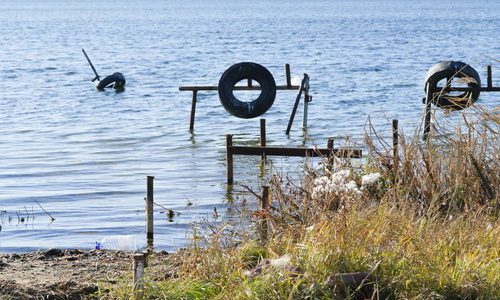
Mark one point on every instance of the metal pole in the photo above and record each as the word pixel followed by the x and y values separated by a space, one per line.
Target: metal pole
pixel 149 211
pixel 229 159
pixel 92 66
pixel 302 87
pixel 306 103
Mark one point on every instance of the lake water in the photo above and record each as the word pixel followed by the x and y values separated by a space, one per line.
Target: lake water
pixel 84 155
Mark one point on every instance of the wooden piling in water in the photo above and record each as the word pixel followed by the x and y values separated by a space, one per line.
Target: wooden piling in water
pixel 490 79
pixel 288 77
pixel 193 110
pixel 229 158
pixel 149 211
pixel 263 137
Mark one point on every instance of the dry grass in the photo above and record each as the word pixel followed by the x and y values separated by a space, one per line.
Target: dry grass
pixel 426 227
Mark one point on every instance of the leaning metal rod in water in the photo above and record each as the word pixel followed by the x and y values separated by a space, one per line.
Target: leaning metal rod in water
pixel 92 66
pixel 303 87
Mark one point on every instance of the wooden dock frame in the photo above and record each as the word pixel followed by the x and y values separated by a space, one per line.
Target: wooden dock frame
pixel 288 86
pixel 264 151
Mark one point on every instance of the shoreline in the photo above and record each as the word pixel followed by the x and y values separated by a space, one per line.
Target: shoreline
pixel 69 274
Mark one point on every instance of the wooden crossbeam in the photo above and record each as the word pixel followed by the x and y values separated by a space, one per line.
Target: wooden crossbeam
pixel 237 88
pixel 300 152
pixel 282 151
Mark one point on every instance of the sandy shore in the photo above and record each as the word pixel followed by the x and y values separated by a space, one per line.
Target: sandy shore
pixel 67 274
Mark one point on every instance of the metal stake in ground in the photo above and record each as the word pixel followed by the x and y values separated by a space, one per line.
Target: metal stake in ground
pixel 92 66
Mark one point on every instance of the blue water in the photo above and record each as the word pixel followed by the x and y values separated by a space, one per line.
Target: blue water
pixel 84 155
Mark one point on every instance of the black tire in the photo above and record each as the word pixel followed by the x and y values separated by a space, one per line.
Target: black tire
pixel 242 71
pixel 453 69
pixel 117 79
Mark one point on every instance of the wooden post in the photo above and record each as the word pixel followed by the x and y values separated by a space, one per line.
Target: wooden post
pixel 138 276
pixel 427 122
pixel 229 159
pixel 395 138
pixel 490 80
pixel 193 109
pixel 149 211
pixel 288 77
pixel 329 145
pixel 395 148
pixel 263 137
pixel 264 205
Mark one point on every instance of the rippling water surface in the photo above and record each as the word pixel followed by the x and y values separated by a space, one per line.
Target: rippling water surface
pixel 84 155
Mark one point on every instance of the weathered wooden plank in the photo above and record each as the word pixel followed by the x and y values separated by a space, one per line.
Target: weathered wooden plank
pixel 301 152
pixel 214 88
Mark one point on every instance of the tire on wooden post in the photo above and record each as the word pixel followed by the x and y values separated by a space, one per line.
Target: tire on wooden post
pixel 449 70
pixel 238 72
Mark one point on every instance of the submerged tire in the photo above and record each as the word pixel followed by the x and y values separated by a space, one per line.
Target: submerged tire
pixel 448 70
pixel 237 73
pixel 117 79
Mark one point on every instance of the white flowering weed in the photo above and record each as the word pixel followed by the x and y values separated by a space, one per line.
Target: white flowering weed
pixel 370 179
pixel 339 183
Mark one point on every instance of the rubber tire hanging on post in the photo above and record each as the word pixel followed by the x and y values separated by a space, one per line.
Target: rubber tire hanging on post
pixel 117 79
pixel 237 73
pixel 449 70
